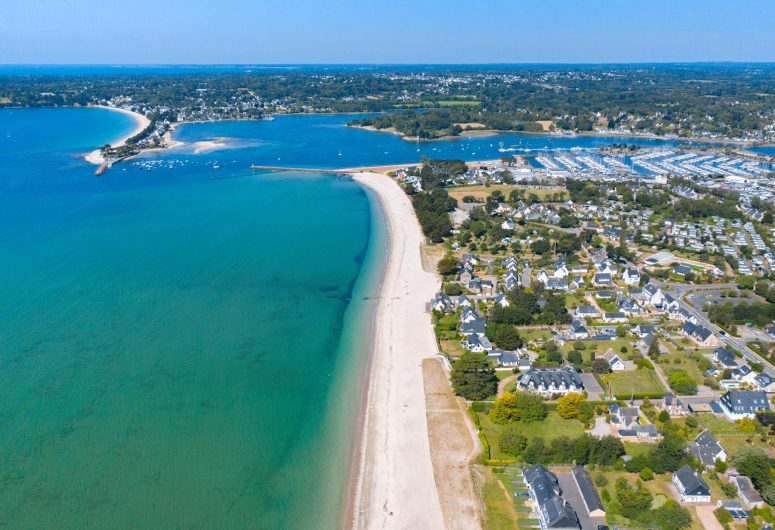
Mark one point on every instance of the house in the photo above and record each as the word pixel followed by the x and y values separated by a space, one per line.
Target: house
pixel 508 224
pixel 474 327
pixel 504 358
pixel 551 381
pixel 587 311
pixel 614 362
pixel 588 491
pixel 691 486
pixel 701 335
pixel 477 343
pixel 641 330
pixel 624 417
pixel 706 449
pixel 682 270
pixel 443 303
pixel 750 497
pixel 672 405
pixel 614 317
pixel 501 300
pixel 462 301
pixel 607 267
pixel 578 331
pixel 603 279
pixel 552 510
pixel 653 295
pixel 739 404
pixel 466 274
pixel 631 276
pixel 604 295
pixel 557 284
pixel 763 382
pixel 724 358
pixel 640 433
pixel 468 314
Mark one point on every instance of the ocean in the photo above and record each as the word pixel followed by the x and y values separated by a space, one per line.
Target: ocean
pixel 183 340
pixel 180 347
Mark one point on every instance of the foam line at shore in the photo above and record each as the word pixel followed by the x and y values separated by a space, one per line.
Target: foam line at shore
pixel 141 123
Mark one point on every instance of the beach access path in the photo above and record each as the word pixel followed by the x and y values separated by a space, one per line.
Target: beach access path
pixel 394 485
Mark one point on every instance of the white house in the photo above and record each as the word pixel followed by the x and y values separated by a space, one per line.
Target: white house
pixel 614 362
pixel 631 276
pixel 691 486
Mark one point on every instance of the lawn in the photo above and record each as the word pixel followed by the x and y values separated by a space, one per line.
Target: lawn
pixel 637 382
pixel 681 361
pixel 732 442
pixel 499 508
pixel 717 424
pixel 600 347
pixel 552 427
pixel 453 348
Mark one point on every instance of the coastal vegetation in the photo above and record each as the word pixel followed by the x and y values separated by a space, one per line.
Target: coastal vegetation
pixel 731 100
pixel 473 377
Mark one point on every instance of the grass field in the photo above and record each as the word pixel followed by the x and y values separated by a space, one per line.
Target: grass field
pixel 499 508
pixel 549 429
pixel 631 382
pixel 717 424
pixel 459 103
pixel 600 347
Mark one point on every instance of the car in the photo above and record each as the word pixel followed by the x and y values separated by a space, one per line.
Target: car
pixel 602 527
pixel 722 333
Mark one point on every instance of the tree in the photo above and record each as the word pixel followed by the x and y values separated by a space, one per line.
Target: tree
pixel 646 474
pixel 506 337
pixel 511 442
pixel 473 377
pixel 540 247
pixel 600 366
pixel 746 425
pixel 531 407
pixel 447 265
pixel 633 500
pixel 669 454
pixel 682 383
pixel 671 516
pixel 574 357
pixel 723 516
pixel 569 405
pixel 505 409
pixel 653 351
pixel 720 465
pixel 664 416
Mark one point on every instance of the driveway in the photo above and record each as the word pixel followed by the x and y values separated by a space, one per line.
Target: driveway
pixel 571 493
pixel 601 428
pixel 707 519
pixel 593 388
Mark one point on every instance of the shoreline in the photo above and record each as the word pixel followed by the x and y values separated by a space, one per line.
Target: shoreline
pixel 141 123
pixel 472 133
pixel 392 482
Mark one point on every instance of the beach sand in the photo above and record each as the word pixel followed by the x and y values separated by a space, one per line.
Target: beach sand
pixel 393 483
pixel 95 157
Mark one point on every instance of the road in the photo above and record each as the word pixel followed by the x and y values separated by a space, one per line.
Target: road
pixel 732 342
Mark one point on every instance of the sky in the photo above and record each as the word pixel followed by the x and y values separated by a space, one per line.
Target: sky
pixel 384 31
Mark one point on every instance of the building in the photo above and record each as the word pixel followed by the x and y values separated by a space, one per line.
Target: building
pixel 552 511
pixel 588 491
pixel 578 331
pixel 701 335
pixel 614 362
pixel 739 404
pixel 691 486
pixel 748 494
pixel 724 358
pixel 551 381
pixel 631 276
pixel 706 449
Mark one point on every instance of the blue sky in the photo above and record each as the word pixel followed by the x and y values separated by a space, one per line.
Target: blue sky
pixel 384 31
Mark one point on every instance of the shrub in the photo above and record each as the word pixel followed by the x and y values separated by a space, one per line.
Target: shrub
pixel 646 474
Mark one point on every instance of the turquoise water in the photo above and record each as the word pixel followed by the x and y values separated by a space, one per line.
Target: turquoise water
pixel 176 350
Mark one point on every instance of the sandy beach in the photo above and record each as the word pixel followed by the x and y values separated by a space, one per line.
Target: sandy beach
pixel 393 481
pixel 141 122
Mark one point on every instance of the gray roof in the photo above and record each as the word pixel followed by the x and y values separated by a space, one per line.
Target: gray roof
pixel 587 489
pixel 545 378
pixel 692 483
pixel 705 448
pixel 725 356
pixel 745 401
